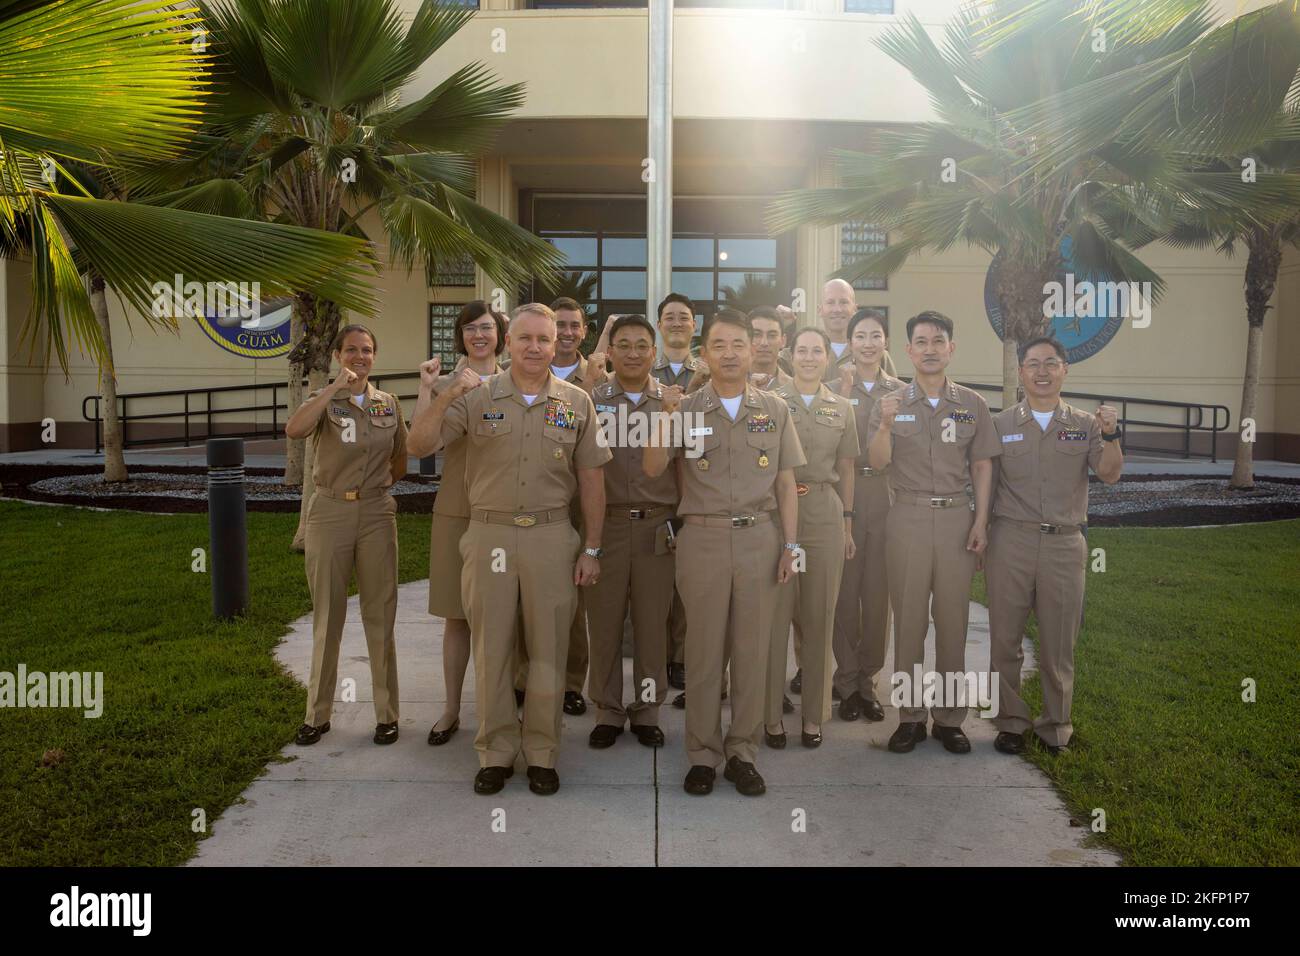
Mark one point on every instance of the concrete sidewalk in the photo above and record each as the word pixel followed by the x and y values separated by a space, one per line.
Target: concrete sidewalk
pixel 346 801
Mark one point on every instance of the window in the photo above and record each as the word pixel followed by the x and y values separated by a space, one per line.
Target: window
pixel 457 271
pixel 860 239
pixel 442 335
pixel 869 6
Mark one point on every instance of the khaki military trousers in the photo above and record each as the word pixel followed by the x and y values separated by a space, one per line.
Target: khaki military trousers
pixel 631 573
pixel 508 568
pixel 727 579
pixel 929 572
pixel 1028 570
pixel 677 630
pixel 343 536
pixel 810 600
pixel 862 612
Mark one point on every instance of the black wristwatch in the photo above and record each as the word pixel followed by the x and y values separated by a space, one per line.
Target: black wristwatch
pixel 1113 436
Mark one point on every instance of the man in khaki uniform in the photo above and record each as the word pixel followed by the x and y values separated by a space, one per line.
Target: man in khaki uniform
pixel 766 343
pixel 1037 551
pixel 533 444
pixel 361 441
pixel 636 569
pixel 730 553
pixel 936 437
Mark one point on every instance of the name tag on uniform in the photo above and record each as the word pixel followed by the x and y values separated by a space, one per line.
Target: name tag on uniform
pixel 904 418
pixel 963 416
pixel 606 408
pixel 761 423
pixel 1009 438
pixel 1072 434
pixel 494 416
pixel 854 401
pixel 827 413
pixel 701 431
pixel 561 414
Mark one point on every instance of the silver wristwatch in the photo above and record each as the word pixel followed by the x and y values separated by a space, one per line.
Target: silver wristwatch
pixel 593 552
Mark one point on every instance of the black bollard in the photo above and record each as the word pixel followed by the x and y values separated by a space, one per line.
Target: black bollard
pixel 227 527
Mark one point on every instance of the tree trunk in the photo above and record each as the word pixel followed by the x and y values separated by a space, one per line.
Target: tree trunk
pixel 321 320
pixel 1261 279
pixel 1010 372
pixel 1018 287
pixel 294 448
pixel 114 461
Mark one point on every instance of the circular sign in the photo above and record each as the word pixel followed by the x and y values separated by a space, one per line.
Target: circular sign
pixel 1082 335
pixel 254 328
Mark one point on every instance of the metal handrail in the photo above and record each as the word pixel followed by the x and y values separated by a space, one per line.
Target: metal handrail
pixel 1194 414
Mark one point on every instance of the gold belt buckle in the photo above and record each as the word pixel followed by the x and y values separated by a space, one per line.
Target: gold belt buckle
pixel 940 502
pixel 636 513
pixel 1049 529
pixel 800 488
pixel 865 471
pixel 351 495
pixel 742 521
pixel 525 521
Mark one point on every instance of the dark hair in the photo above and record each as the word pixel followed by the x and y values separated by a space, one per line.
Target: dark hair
pixel 727 317
pixel 572 305
pixel 869 313
pixel 1040 340
pixel 674 297
pixel 766 312
pixel 826 339
pixel 932 318
pixel 343 333
pixel 472 312
pixel 636 321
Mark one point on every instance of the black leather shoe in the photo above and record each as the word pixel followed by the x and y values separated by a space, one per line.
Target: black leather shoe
pixel 786 706
pixel 308 735
pixel 648 735
pixel 680 701
pixel 907 736
pixel 573 703
pixel 386 733
pixel 954 741
pixel 439 737
pixel 775 741
pixel 747 780
pixel 604 735
pixel 851 707
pixel 871 709
pixel 1053 749
pixel 519 697
pixel 492 779
pixel 676 675
pixel 543 780
pixel 699 781
pixel 796 682
pixel 1009 743
pixel 811 740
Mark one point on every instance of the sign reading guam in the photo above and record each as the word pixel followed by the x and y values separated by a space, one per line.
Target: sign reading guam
pixel 1083 332
pixel 261 331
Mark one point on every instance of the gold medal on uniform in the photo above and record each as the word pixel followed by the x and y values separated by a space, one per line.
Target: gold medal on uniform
pixel 559 454
pixel 703 465
pixel 762 460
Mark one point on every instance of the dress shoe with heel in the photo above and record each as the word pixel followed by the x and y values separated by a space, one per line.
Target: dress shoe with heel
pixel 492 779
pixel 775 741
pixel 907 736
pixel 308 735
pixel 746 777
pixel 811 740
pixel 439 737
pixel 952 738
pixel 386 733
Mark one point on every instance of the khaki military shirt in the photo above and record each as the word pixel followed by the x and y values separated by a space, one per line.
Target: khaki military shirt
pixel 522 457
pixel 737 470
pixel 663 371
pixel 827 431
pixel 923 463
pixel 375 457
pixel 864 400
pixel 1043 475
pixel 833 367
pixel 629 427
pixel 452 498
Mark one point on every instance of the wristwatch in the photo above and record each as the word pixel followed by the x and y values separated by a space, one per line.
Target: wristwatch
pixel 593 552
pixel 1113 436
pixel 791 546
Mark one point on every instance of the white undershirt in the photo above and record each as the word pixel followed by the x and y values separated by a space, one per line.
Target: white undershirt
pixel 566 371
pixel 732 405
pixel 934 402
pixel 635 396
pixel 359 399
pixel 807 399
pixel 676 367
pixel 839 348
pixel 1043 418
pixel 528 398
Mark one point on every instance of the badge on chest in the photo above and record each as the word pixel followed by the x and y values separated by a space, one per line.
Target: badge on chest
pixel 560 414
pixel 1072 434
pixel 963 416
pixel 380 411
pixel 760 423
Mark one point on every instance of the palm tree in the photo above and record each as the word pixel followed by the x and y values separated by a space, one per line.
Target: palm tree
pixel 92 82
pixel 1059 124
pixel 757 289
pixel 308 126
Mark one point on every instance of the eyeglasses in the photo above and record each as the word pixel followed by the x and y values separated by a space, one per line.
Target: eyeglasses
pixel 1052 365
pixel 640 348
pixel 480 328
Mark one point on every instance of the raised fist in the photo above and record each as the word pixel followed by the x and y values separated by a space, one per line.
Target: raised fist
pixel 889 408
pixel 1109 419
pixel 672 399
pixel 429 372
pixel 466 380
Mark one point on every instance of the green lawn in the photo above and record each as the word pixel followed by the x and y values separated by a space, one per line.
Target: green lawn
pixel 1187 772
pixel 193 709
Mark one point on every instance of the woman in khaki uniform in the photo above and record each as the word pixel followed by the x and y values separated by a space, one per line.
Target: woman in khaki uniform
pixel 360 441
pixel 480 337
pixel 828 433
pixel 862 616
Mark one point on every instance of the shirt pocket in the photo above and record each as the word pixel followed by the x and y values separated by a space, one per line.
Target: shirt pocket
pixel 1015 449
pixel 1071 447
pixel 559 444
pixel 764 441
pixel 384 421
pixel 907 429
pixel 491 429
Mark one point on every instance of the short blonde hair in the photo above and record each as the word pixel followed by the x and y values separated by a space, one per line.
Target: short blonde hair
pixel 535 307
